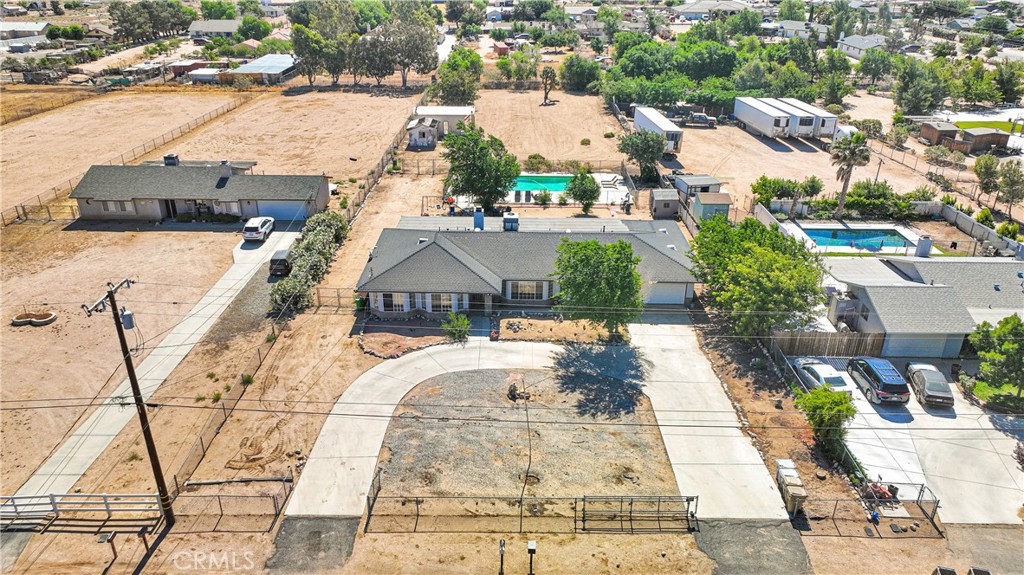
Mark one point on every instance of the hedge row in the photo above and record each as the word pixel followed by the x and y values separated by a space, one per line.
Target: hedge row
pixel 321 236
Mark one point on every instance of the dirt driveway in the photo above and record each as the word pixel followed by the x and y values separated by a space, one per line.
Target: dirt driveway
pixel 47 149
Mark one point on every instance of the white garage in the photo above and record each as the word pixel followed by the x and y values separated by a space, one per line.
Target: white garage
pixel 666 293
pixel 282 209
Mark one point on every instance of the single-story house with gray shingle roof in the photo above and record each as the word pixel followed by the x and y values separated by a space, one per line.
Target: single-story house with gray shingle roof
pixel 12 30
pixel 210 28
pixel 855 46
pixel 158 192
pixel 917 320
pixel 431 272
pixel 805 30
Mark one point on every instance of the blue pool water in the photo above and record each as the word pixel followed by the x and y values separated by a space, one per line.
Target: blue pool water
pixel 864 239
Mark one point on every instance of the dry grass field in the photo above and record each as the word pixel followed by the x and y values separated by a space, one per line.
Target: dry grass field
pixel 47 149
pixel 342 134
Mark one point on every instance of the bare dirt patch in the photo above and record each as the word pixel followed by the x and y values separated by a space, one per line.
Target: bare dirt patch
pixel 48 149
pixel 47 267
pixel 943 234
pixel 546 329
pixel 19 99
pixel 394 338
pixel 342 134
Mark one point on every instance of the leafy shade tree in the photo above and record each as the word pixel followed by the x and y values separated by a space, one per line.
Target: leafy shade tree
pixel 548 81
pixel 644 149
pixel 337 56
pixel 309 51
pixel 148 19
pixel 1011 184
pixel 792 10
pixel 599 283
pixel 828 412
pixel 986 167
pixel 369 14
pixel 610 18
pixel 1007 79
pixel 915 90
pixel 584 189
pixel 875 64
pixel 250 8
pixel 377 54
pixel 577 73
pixel 759 277
pixel 597 45
pixel 481 167
pixel 254 28
pixel 623 41
pixel 708 59
pixel 745 23
pixel 217 10
pixel 458 79
pixel 413 46
pixel 847 154
pixel 1001 349
pixel 751 76
pixel 454 10
pixel 790 82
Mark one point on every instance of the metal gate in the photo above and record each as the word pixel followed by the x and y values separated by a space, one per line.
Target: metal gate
pixel 638 514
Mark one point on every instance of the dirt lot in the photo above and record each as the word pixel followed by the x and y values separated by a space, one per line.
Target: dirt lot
pixel 337 133
pixel 48 149
pixel 943 234
pixel 387 338
pixel 48 267
pixel 534 329
pixel 16 99
pixel 554 131
pixel 442 458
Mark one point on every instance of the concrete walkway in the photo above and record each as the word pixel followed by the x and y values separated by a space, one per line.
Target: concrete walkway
pixel 709 454
pixel 62 470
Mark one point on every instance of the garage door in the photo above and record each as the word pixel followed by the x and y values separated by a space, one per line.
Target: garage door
pixel 280 210
pixel 913 346
pixel 665 293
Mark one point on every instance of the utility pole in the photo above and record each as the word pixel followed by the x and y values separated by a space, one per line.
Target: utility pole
pixel 140 406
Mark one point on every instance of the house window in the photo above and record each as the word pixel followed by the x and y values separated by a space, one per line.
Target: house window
pixel 864 313
pixel 440 302
pixel 665 205
pixel 230 208
pixel 119 207
pixel 527 290
pixel 393 302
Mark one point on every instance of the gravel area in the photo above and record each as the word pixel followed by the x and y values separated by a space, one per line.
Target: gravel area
pixel 249 309
pixel 488 454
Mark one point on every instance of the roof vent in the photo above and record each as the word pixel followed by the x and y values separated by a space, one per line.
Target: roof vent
pixel 663 230
pixel 997 287
pixel 672 247
pixel 421 241
pixel 171 160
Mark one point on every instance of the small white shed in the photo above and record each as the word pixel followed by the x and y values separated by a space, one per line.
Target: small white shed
pixel 430 123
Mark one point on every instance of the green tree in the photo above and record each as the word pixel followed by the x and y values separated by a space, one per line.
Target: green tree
pixel 369 14
pixel 792 10
pixel 413 47
pixel 584 189
pixel 649 59
pixel 708 59
pixel 254 28
pixel 1001 349
pixel 611 18
pixel 789 82
pixel 1007 79
pixel 597 45
pixel 58 10
pixel 915 87
pixel 833 88
pixel 623 41
pixel 454 10
pixel 217 10
pixel 456 327
pixel 993 24
pixel 847 154
pixel 378 55
pixel 250 8
pixel 745 23
pixel 751 76
pixel 1011 184
pixel 972 43
pixel 577 73
pixel 599 283
pixel 897 137
pixel 810 187
pixel 828 412
pixel 644 149
pixel 944 50
pixel 337 55
pixel 309 51
pixel 875 64
pixel 458 79
pixel 548 81
pixel 481 167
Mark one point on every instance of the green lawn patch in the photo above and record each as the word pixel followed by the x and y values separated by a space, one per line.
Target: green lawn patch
pixel 1004 396
pixel 1004 126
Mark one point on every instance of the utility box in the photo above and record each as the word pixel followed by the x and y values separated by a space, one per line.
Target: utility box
pixel 792 487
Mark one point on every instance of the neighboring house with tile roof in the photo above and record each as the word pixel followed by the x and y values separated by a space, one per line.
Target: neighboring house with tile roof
pixel 924 306
pixel 159 192
pixel 430 272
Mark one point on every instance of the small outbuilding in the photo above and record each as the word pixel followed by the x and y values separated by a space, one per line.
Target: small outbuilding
pixel 268 70
pixel 702 184
pixel 985 139
pixel 707 206
pixel 212 28
pixel 430 123
pixel 937 132
pixel 664 203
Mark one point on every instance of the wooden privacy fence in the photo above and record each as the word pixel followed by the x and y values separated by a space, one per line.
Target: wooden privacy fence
pixel 828 344
pixel 13 215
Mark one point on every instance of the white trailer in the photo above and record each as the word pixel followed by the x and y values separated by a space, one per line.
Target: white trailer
pixel 652 120
pixel 825 122
pixel 801 122
pixel 753 114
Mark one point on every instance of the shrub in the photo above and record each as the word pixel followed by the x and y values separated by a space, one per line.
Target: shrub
pixel 967 210
pixel 870 127
pixel 210 375
pixel 184 218
pixel 456 327
pixel 227 387
pixel 948 199
pixel 352 180
pixel 134 456
pixel 920 194
pixel 937 154
pixel 562 200
pixel 215 397
pixel 200 398
pixel 609 134
pixel 898 119
pixel 543 197
pixel 246 379
pixel 985 218
pixel 343 204
pixel 536 163
pixel 968 384
pixel 1008 229
pixel 836 109
pixel 585 142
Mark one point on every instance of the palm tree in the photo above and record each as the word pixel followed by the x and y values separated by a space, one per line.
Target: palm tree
pixel 847 154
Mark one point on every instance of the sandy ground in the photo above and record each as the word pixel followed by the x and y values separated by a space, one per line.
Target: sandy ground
pixel 397 337
pixel 554 131
pixel 470 553
pixel 73 357
pixel 48 149
pixel 539 329
pixel 313 133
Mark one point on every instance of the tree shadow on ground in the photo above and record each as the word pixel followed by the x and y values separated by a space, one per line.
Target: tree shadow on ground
pixel 608 379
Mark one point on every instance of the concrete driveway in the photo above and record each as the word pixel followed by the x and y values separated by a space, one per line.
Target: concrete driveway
pixel 711 456
pixel 963 455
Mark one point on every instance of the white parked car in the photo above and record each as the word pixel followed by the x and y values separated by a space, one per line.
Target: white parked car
pixel 257 229
pixel 814 374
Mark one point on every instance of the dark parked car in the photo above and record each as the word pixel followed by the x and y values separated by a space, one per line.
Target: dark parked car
pixel 281 263
pixel 930 386
pixel 879 379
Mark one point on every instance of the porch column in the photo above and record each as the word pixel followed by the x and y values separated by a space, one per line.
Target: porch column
pixel 487 303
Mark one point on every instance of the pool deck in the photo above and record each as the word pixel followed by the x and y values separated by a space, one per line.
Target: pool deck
pixel 796 230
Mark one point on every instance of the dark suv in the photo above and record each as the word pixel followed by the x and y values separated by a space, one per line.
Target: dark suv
pixel 879 379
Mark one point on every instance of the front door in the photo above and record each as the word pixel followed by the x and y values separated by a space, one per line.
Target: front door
pixel 171 208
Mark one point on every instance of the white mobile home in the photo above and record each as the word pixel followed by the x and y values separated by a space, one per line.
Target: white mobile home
pixel 825 122
pixel 761 118
pixel 653 121
pixel 801 122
